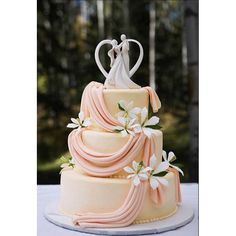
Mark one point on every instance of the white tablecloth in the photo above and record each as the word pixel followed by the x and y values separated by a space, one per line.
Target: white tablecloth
pixel 50 193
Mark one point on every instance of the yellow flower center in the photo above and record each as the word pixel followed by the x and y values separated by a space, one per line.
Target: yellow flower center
pixel 126 114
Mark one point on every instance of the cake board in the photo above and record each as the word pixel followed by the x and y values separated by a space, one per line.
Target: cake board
pixel 183 216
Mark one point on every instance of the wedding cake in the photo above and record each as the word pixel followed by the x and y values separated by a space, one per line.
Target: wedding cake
pixel 118 173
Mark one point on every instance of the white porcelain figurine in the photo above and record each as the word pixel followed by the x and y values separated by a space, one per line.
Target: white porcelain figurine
pixel 120 73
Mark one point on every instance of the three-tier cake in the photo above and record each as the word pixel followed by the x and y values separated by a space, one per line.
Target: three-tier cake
pixel 118 173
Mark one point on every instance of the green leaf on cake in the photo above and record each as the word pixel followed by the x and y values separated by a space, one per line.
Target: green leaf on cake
pixel 71 165
pixel 141 163
pixel 117 130
pixel 157 126
pixel 161 174
pixel 120 107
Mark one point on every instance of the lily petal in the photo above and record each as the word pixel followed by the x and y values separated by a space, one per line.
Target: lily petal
pixel 87 122
pixel 143 176
pixel 135 165
pixel 171 155
pixel 137 128
pixel 153 161
pixel 72 125
pixel 63 165
pixel 164 155
pixel 128 170
pixel 129 105
pixel 120 113
pixel 124 133
pixel 162 167
pixel 135 110
pixel 132 115
pixel 136 180
pixel 178 169
pixel 122 120
pixel 81 116
pixel 122 103
pixel 148 132
pixel 154 183
pixel 131 122
pixel 75 121
pixel 152 121
pixel 131 132
pixel 130 176
pixel 144 113
pixel 145 170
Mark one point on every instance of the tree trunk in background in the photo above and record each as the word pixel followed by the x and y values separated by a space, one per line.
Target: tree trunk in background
pixel 108 15
pixel 100 14
pixel 126 17
pixel 191 26
pixel 152 29
pixel 184 51
pixel 84 18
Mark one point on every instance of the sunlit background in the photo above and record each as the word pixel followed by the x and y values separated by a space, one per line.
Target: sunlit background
pixel 69 31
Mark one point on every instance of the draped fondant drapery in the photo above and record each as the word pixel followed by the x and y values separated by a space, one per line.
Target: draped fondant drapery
pixel 101 164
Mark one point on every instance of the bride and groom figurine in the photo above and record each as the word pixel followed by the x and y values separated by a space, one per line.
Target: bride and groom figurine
pixel 120 73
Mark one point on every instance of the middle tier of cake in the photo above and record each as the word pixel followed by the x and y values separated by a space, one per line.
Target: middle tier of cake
pixel 105 142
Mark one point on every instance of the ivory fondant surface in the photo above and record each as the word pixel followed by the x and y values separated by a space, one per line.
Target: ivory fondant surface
pixel 81 194
pixel 105 142
pixel 140 98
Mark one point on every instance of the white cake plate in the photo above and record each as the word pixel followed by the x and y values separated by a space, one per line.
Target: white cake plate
pixel 182 217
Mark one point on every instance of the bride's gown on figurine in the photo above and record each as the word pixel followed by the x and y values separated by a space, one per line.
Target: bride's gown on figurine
pixel 118 76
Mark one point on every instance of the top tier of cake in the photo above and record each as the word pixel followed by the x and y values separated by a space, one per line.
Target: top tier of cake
pixel 140 98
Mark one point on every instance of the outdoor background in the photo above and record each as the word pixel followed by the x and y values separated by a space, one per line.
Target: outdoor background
pixel 68 33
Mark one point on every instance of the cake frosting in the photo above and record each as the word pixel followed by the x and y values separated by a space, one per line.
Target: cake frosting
pixel 106 142
pixel 82 193
pixel 118 173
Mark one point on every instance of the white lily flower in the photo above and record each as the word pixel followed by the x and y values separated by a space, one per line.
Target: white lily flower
pixel 146 123
pixel 171 157
pixel 138 173
pixel 80 122
pixel 155 169
pixel 127 110
pixel 67 165
pixel 126 126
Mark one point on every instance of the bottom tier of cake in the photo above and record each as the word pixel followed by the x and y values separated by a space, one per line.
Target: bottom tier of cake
pixel 81 193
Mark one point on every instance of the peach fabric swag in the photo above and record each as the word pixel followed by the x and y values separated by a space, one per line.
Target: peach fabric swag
pixel 101 164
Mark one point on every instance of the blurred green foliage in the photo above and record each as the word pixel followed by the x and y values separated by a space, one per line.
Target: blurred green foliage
pixel 68 32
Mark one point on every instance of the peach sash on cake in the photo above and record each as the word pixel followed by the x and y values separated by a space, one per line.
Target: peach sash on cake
pixel 93 105
pixel 157 195
pixel 128 212
pixel 178 196
pixel 100 164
